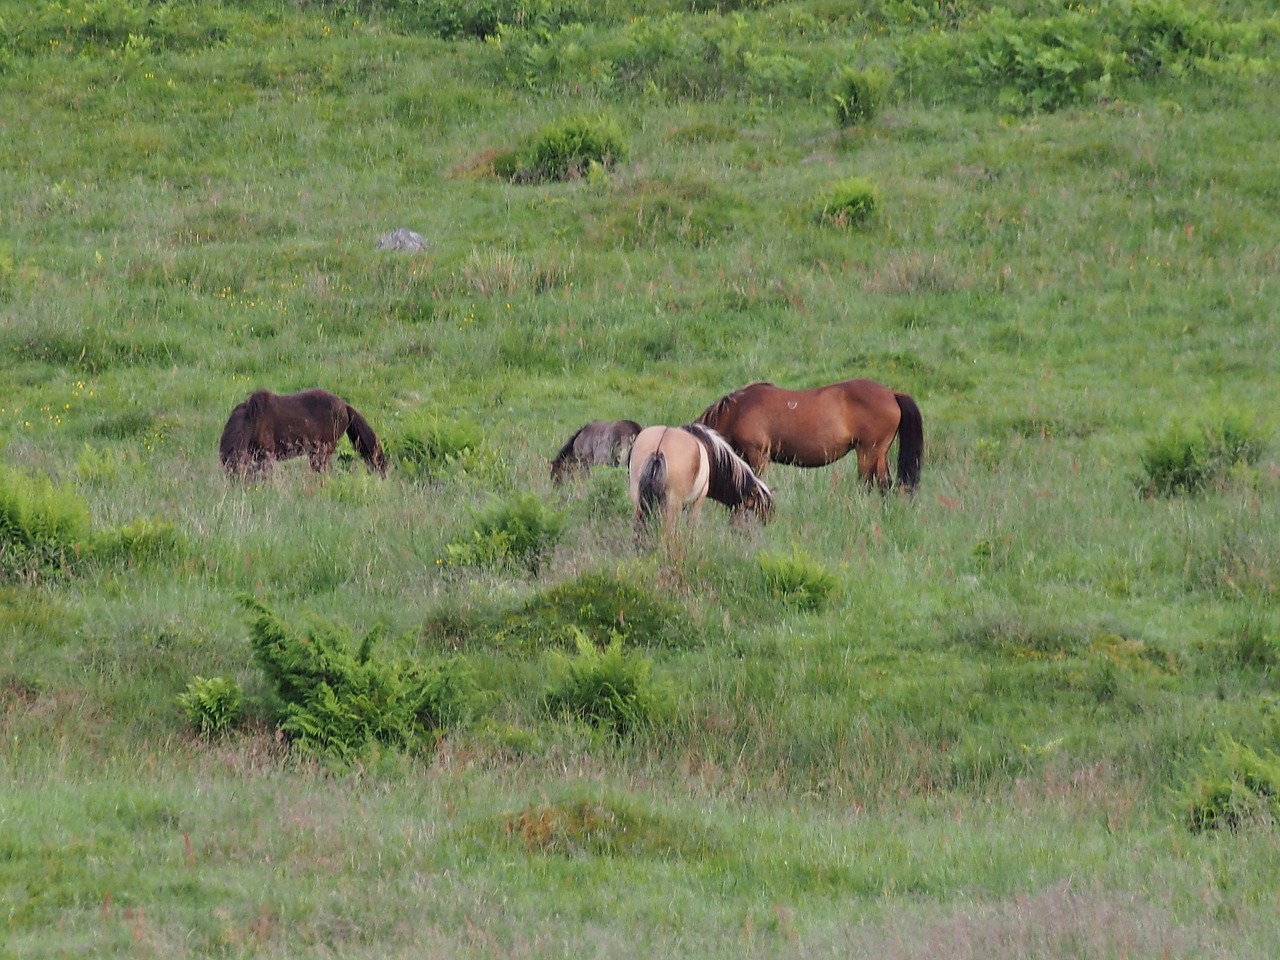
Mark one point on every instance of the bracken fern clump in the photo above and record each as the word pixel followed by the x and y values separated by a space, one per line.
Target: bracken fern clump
pixel 1238 786
pixel 337 702
pixel 565 150
pixel 797 579
pixel 518 531
pixel 1188 459
pixel 43 525
pixel 609 689
pixel 212 704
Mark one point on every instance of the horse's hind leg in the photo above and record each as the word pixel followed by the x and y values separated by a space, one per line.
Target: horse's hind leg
pixel 873 466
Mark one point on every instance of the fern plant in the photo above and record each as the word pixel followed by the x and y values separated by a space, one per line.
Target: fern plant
pixel 797 579
pixel 212 704
pixel 565 150
pixel 42 525
pixel 339 701
pixel 520 531
pixel 608 689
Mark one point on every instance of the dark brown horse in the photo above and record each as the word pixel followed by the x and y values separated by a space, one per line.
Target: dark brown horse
pixel 598 443
pixel 268 427
pixel 674 467
pixel 811 428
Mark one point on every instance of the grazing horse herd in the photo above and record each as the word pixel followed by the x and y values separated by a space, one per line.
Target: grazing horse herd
pixel 720 455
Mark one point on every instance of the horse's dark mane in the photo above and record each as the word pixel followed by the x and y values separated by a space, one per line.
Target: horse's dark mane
pixel 732 481
pixel 711 416
pixel 256 403
pixel 567 450
pixel 234 444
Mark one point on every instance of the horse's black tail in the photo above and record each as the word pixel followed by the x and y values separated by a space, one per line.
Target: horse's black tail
pixel 651 489
pixel 365 441
pixel 563 461
pixel 910 442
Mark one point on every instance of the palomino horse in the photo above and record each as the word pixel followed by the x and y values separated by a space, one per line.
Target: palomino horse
pixel 598 443
pixel 268 427
pixel 674 467
pixel 811 428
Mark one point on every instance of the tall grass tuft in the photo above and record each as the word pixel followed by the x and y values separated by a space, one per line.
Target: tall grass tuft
pixel 566 150
pixel 847 203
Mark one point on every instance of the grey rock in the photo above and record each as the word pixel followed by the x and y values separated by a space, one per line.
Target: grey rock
pixel 402 239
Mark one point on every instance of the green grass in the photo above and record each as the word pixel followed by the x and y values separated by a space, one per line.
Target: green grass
pixel 967 722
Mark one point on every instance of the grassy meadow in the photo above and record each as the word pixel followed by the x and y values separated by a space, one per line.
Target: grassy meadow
pixel 1031 711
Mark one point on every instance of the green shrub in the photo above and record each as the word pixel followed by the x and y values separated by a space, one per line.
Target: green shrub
pixel 847 203
pixel 799 580
pixel 600 607
pixel 481 19
pixel 521 531
pixel 426 448
pixel 565 150
pixel 42 525
pixel 339 701
pixel 1237 787
pixel 1049 62
pixel 608 689
pixel 138 541
pixel 857 95
pixel 1188 459
pixel 212 705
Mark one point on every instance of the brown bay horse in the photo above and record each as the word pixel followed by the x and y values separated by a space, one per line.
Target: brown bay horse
pixel 599 443
pixel 674 467
pixel 268 427
pixel 812 428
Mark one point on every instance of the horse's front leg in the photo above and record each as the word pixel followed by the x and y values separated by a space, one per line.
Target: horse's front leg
pixel 321 457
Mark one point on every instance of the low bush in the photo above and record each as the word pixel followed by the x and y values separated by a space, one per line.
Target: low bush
pixel 1187 459
pixel 600 606
pixel 610 689
pixel 847 203
pixel 566 150
pixel 212 704
pixel 858 95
